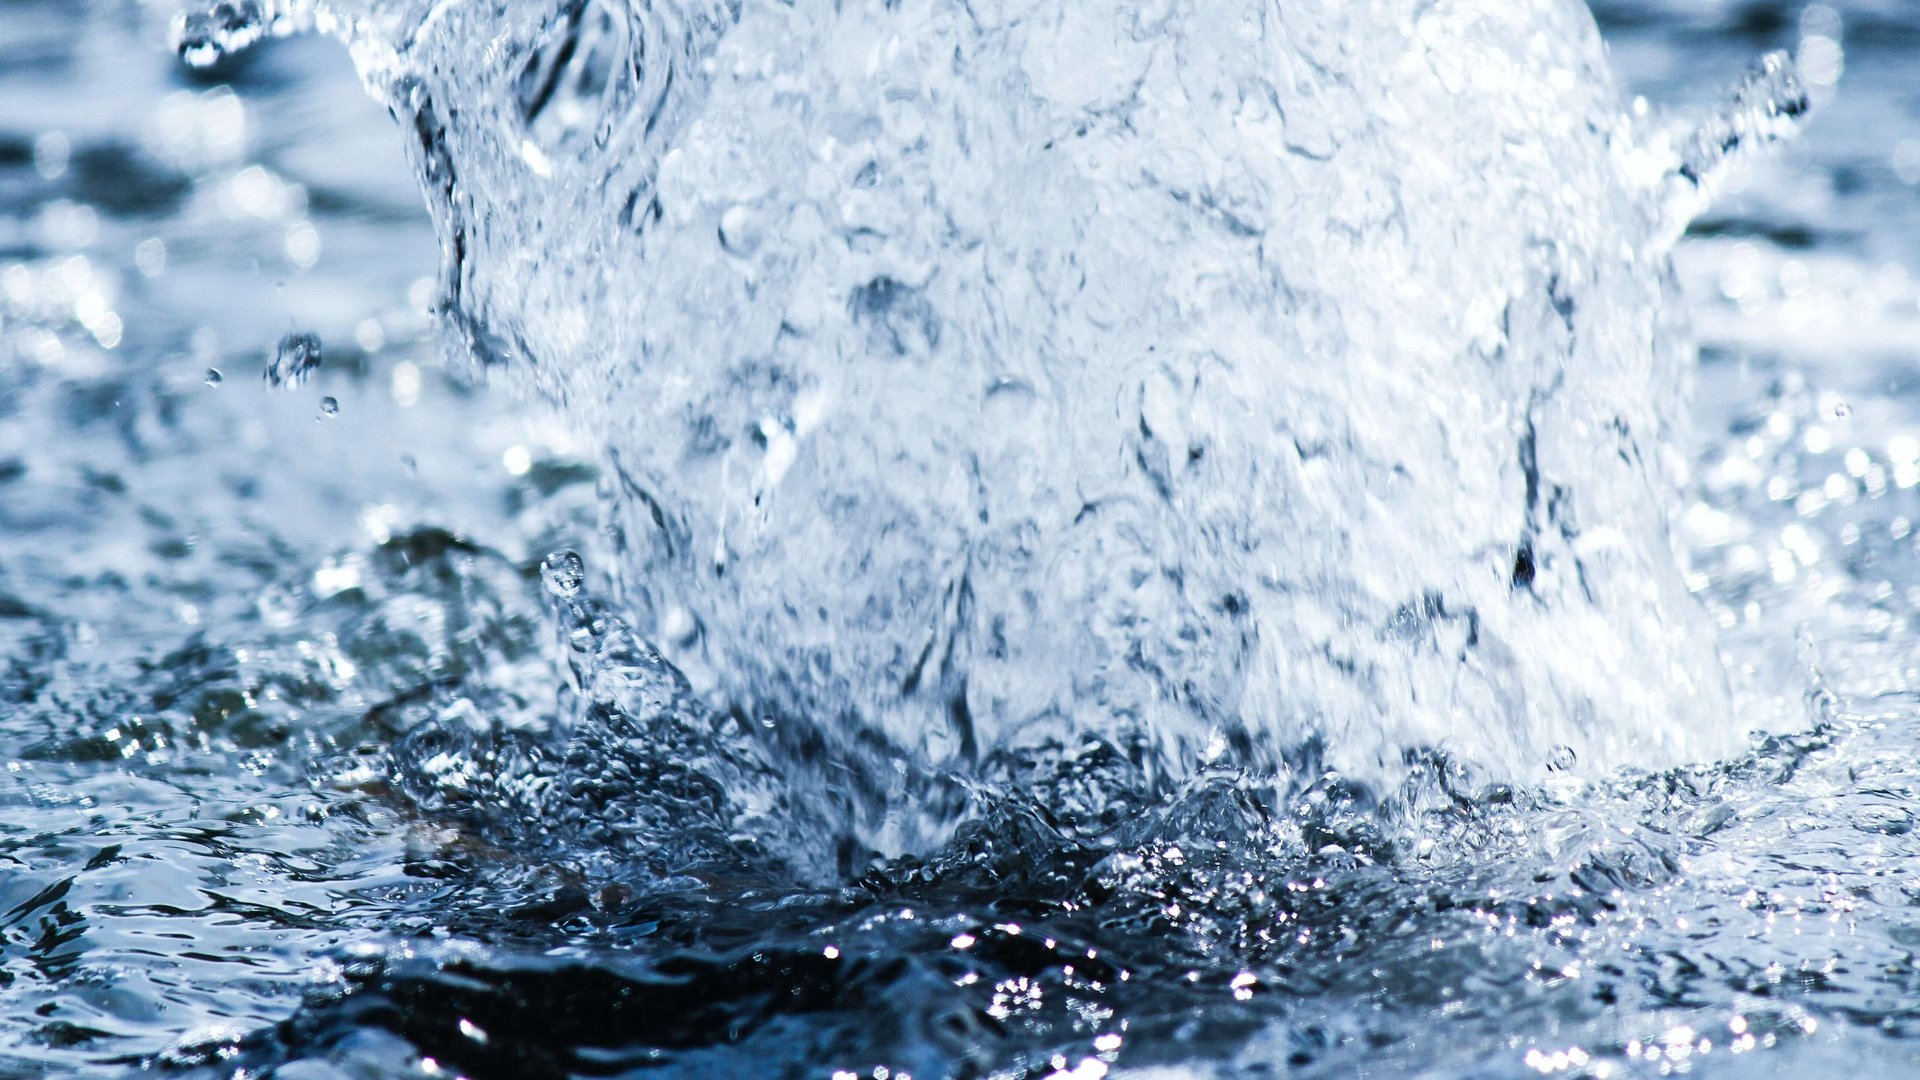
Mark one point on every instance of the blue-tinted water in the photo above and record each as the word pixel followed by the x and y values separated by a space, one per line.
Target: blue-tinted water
pixel 309 773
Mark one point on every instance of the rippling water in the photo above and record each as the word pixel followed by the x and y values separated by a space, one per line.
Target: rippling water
pixel 317 764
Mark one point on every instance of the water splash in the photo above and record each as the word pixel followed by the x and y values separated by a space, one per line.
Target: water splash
pixel 1765 106
pixel 630 779
pixel 970 401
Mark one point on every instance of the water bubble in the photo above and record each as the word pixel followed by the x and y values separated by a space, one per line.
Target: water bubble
pixel 52 151
pixel 1562 758
pixel 740 230
pixel 150 257
pixel 294 360
pixel 1822 61
pixel 563 572
pixel 1906 161
pixel 329 407
pixel 214 378
pixel 1821 20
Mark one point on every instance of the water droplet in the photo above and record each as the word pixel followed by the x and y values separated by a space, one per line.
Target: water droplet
pixel 563 572
pixel 214 378
pixel 329 407
pixel 294 360
pixel 204 37
pixel 1562 758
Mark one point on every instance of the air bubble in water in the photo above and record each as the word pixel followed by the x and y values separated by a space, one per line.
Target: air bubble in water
pixel 563 572
pixel 329 407
pixel 294 360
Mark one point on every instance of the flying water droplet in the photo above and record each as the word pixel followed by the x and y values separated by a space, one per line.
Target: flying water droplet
pixel 214 378
pixel 329 408
pixel 296 358
pixel 563 573
pixel 204 37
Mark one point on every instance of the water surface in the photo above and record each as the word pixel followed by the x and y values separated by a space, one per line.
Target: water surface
pixel 310 773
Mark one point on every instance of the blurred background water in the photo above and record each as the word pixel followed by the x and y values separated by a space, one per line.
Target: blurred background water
pixel 225 604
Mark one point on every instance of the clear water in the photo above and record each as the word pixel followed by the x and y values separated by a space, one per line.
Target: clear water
pixel 317 765
pixel 970 400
